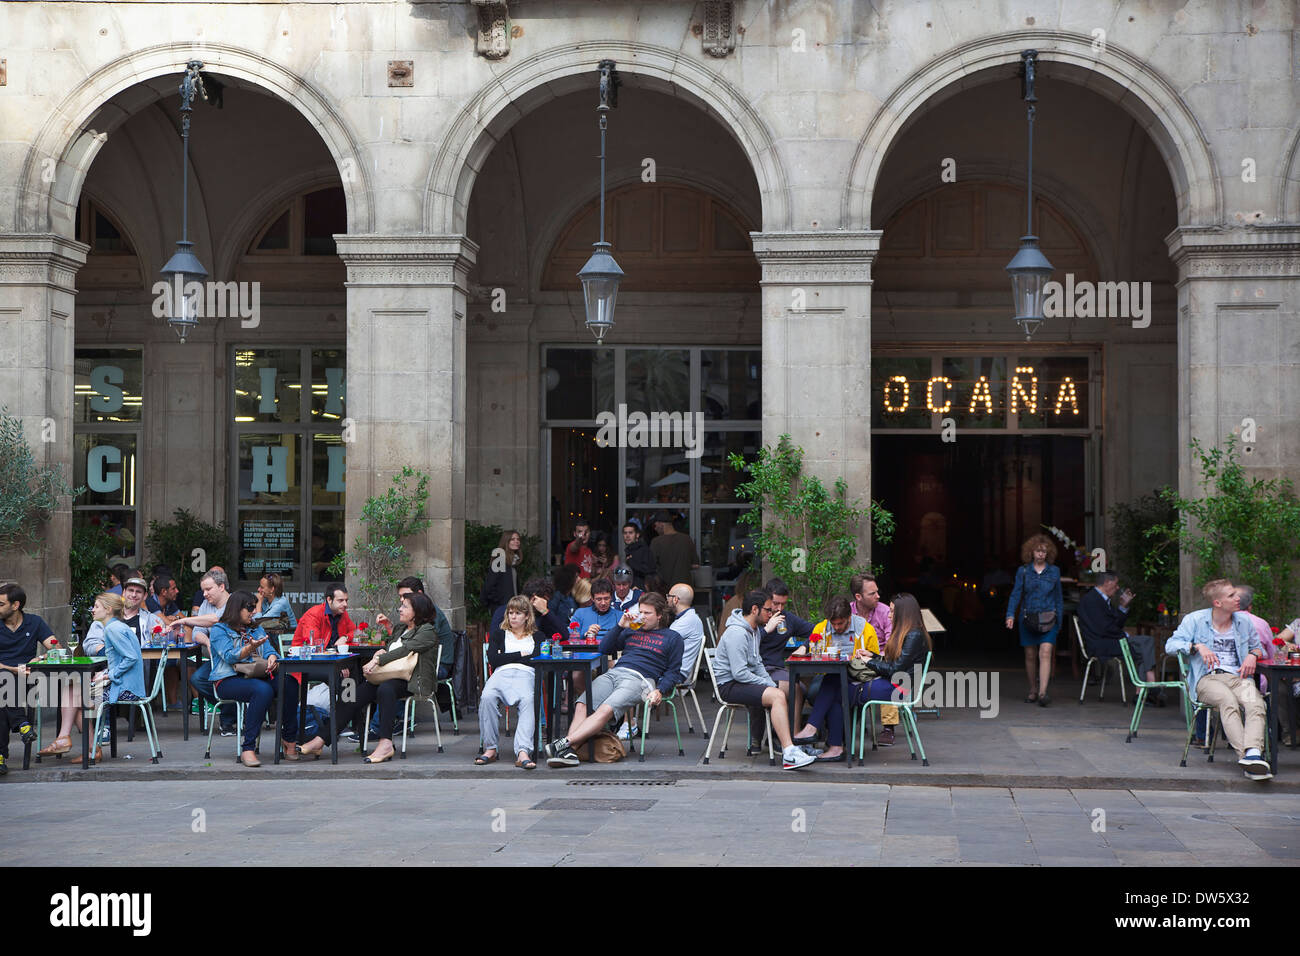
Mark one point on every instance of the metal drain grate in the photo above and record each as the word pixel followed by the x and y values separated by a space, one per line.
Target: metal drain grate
pixel 582 803
pixel 632 782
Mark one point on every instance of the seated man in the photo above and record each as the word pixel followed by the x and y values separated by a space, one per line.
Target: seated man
pixel 596 622
pixel 742 678
pixel 681 598
pixel 1102 625
pixel 22 636
pixel 1223 649
pixel 842 630
pixel 648 669
pixel 540 592
pixel 625 595
pixel 772 648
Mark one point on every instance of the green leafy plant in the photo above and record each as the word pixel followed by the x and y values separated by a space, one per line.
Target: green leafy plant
pixel 1242 528
pixel 1147 563
pixel 480 541
pixel 29 491
pixel 378 560
pixel 91 546
pixel 806 533
pixel 173 542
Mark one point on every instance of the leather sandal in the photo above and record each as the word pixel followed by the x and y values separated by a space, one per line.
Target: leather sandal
pixel 482 760
pixel 526 764
pixel 60 745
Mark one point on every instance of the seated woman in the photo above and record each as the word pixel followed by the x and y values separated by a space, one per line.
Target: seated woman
pixel 842 631
pixel 416 629
pixel 124 676
pixel 908 644
pixel 235 640
pixel 271 601
pixel 510 651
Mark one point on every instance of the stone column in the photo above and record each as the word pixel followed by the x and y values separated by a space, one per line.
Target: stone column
pixel 1238 350
pixel 406 390
pixel 37 297
pixel 817 353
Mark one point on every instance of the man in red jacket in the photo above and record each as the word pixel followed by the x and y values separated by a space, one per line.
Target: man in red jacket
pixel 329 620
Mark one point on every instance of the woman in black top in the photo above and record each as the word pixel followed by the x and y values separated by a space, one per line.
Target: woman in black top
pixel 502 580
pixel 908 644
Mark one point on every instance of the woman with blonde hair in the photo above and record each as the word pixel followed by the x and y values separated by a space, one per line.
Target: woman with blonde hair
pixel 1037 593
pixel 511 649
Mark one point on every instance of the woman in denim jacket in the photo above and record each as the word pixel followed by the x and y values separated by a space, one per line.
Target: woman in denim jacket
pixel 1037 589
pixel 234 641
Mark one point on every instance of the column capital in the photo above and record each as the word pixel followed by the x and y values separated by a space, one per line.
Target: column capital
pixel 41 259
pixel 373 260
pixel 824 258
pixel 1219 252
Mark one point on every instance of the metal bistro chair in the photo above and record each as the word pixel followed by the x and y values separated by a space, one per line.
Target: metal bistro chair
pixel 408 714
pixel 709 653
pixel 1103 661
pixel 155 751
pixel 906 719
pixel 1143 686
pixel 213 718
pixel 1211 718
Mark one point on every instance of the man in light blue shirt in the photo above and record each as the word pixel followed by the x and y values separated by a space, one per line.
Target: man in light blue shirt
pixel 687 623
pixel 599 619
pixel 1223 649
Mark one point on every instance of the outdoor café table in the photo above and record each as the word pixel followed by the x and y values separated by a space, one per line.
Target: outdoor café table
pixel 87 666
pixel 590 661
pixel 180 653
pixel 1280 679
pixel 806 664
pixel 323 667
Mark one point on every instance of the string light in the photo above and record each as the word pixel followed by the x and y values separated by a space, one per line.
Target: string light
pixel 1018 391
pixel 897 380
pixel 982 390
pixel 929 394
pixel 1066 393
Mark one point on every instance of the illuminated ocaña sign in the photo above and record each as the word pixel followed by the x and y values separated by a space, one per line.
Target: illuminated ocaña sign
pixel 942 395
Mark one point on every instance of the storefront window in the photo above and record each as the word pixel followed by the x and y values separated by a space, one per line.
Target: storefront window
pixel 107 415
pixel 289 462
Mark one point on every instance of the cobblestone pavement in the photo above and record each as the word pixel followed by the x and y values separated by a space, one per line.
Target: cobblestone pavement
pixel 538 821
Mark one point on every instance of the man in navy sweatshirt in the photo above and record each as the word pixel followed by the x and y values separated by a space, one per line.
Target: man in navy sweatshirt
pixel 648 669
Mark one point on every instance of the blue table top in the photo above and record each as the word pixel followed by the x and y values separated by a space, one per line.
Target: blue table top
pixel 577 656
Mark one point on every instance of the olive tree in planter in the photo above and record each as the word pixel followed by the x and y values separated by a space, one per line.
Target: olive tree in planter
pixel 804 532
pixel 29 491
pixel 378 560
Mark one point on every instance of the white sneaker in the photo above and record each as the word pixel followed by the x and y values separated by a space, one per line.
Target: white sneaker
pixel 1254 764
pixel 792 758
pixel 1264 774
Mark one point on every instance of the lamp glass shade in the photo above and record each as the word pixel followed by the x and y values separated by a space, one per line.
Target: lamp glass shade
pixel 1029 271
pixel 600 279
pixel 181 269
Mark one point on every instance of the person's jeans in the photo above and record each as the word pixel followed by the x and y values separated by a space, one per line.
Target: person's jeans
pixel 514 688
pixel 205 691
pixel 258 693
pixel 879 688
pixel 827 711
pixel 1231 695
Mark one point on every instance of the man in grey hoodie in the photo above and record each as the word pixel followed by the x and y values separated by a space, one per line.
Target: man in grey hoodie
pixel 742 678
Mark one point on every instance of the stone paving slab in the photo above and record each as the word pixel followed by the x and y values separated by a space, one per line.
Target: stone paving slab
pixel 1062 747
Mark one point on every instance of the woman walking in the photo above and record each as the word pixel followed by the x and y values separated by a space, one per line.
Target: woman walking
pixel 1037 594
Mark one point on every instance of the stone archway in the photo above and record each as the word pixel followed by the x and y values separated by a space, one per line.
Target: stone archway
pixel 1116 74
pixel 556 72
pixel 80 125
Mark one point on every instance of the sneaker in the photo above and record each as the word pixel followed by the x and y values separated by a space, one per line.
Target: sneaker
pixel 106 735
pixel 4 766
pixel 624 734
pixel 792 758
pixel 27 732
pixel 227 731
pixel 1255 764
pixel 556 746
pixel 563 758
pixel 1259 774
pixel 886 738
pixel 811 750
pixel 194 706
pixel 347 735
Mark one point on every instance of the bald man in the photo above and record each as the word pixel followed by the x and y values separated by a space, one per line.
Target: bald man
pixel 688 624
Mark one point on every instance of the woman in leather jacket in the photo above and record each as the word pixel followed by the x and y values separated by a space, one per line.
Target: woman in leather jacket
pixel 908 644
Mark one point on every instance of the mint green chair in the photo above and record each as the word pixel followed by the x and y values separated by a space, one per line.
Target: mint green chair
pixel 144 706
pixel 906 719
pixel 1143 686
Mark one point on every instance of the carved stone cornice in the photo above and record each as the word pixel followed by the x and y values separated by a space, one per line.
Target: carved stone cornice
pixel 407 260
pixel 822 258
pixel 1249 252
pixel 46 260
pixel 493 29
pixel 719 36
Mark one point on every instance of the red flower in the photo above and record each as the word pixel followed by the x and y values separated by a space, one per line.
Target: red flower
pixel 362 626
pixel 555 636
pixel 1278 642
pixel 54 641
pixel 157 628
pixel 1276 630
